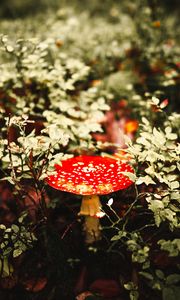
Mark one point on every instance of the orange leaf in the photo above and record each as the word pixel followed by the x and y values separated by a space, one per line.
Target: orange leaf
pixel 131 126
pixel 35 285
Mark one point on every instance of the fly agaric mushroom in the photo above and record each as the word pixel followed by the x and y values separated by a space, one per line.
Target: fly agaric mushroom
pixel 91 176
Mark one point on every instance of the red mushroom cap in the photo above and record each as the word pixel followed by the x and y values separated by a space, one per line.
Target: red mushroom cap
pixel 90 175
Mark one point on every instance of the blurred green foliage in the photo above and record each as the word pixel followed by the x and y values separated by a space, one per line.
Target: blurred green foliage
pixel 21 8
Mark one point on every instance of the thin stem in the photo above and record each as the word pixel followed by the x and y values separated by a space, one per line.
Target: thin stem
pixel 10 153
pixel 67 229
pixel 145 226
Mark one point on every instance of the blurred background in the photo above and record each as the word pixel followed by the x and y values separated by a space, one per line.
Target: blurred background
pixel 21 8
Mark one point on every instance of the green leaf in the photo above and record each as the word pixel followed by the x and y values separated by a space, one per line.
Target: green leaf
pixel 168 294
pixel 115 238
pixel 175 195
pixel 146 275
pixel 176 290
pixel 173 279
pixel 160 274
pixel 172 136
pixel 157 286
pixel 15 228
pixel 174 185
pixel 131 176
pixel 17 252
pixel 22 217
pixel 155 100
pixel 146 179
pixel 2 227
pixel 5 268
pixel 7 251
pixel 134 295
pixel 130 286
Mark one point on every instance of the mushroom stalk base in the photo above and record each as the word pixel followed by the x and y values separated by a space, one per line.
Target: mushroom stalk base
pixel 92 229
pixel 90 208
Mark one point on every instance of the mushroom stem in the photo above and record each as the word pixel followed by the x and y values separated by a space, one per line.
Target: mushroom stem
pixel 92 229
pixel 90 208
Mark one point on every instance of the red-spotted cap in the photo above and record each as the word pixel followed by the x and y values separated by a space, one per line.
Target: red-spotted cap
pixel 91 175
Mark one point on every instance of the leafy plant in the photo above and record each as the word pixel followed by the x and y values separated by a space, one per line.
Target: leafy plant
pixel 155 155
